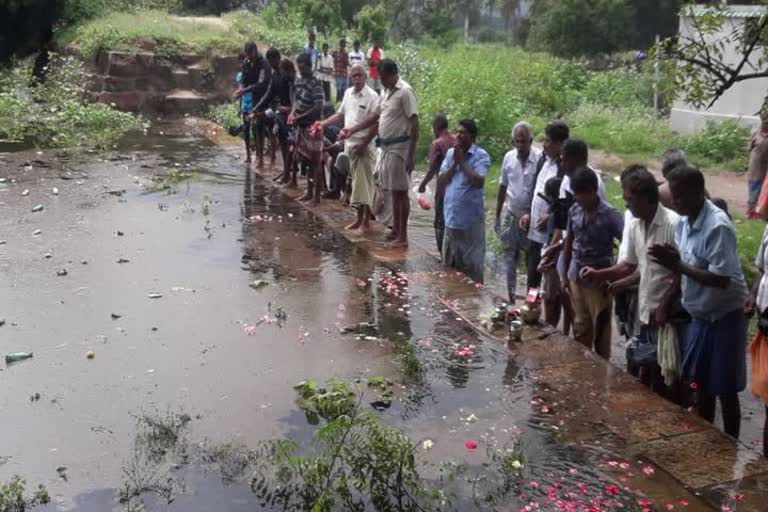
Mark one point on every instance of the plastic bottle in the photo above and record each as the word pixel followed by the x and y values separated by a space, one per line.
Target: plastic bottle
pixel 17 356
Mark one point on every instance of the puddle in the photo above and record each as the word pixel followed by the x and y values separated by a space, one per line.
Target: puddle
pixel 227 295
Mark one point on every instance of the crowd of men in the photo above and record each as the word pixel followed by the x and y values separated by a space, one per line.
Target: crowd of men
pixel 677 281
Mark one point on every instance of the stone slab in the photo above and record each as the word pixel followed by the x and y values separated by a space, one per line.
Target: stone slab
pixel 705 458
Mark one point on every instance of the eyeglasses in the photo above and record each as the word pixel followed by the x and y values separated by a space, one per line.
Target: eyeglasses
pixel 356 74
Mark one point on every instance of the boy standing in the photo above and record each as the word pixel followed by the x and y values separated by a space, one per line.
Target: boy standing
pixel 593 226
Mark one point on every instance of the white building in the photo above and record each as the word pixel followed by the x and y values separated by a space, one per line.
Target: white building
pixel 744 99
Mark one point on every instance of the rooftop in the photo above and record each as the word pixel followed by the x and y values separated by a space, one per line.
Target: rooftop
pixel 733 11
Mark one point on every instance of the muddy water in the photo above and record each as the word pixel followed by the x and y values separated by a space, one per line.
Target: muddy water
pixel 211 345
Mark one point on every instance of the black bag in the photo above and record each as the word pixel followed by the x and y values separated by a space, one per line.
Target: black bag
pixel 642 350
pixel 762 322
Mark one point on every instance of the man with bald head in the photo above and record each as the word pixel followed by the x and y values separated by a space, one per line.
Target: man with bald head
pixel 518 172
pixel 359 101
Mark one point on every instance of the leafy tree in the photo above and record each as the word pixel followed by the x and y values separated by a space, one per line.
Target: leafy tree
pixel 324 15
pixel 705 68
pixel 573 28
pixel 372 22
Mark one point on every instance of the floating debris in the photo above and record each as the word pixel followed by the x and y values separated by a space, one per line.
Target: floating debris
pixel 115 316
pixel 17 356
pixel 61 273
pixel 55 191
pixel 259 284
pixel 37 232
pixel 25 193
pixel 155 295
pixel 123 260
pixel 90 354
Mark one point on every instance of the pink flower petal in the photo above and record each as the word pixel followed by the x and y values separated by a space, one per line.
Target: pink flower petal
pixel 694 385
pixel 648 470
pixel 471 445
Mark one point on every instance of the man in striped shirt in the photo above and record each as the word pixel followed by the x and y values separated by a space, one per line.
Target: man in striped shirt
pixel 307 109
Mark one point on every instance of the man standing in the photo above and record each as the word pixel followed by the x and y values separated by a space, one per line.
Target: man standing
pixel 325 71
pixel 593 226
pixel 535 223
pixel 356 56
pixel 714 294
pixel 311 49
pixel 307 110
pixel 341 69
pixel 443 141
pixel 463 176
pixel 651 224
pixel 518 171
pixel 397 117
pixel 359 101
pixel 375 55
pixel 256 79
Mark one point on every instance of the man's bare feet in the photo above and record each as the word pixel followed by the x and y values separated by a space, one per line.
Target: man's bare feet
pixel 354 225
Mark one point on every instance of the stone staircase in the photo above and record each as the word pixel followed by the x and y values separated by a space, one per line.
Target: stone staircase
pixel 145 82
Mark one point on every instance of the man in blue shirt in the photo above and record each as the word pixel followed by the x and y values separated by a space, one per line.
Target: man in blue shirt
pixel 462 176
pixel 593 226
pixel 714 294
pixel 311 49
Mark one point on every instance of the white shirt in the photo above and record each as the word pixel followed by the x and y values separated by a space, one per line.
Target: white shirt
pixel 325 67
pixel 355 107
pixel 565 186
pixel 761 260
pixel 356 58
pixel 625 235
pixel 518 177
pixel 654 279
pixel 539 207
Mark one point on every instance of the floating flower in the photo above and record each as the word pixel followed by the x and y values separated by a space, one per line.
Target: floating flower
pixel 686 425
pixel 694 385
pixel 670 506
pixel 613 490
pixel 471 418
pixel 643 502
pixel 471 445
pixel 648 470
pixel 428 444
pixel 517 464
pixel 683 503
pixel 738 498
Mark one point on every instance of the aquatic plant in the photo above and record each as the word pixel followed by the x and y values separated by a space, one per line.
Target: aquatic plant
pixel 13 499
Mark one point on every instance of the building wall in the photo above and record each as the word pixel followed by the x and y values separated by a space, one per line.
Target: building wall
pixel 739 103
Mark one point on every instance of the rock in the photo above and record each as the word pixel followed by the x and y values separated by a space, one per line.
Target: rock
pixel 155 295
pixel 37 232
pixel 119 233
pixel 38 208
pixel 48 256
pixel 34 397
pixel 90 354
pixel 2 322
pixel 84 262
pixel 3 242
pixel 25 193
pixel 62 272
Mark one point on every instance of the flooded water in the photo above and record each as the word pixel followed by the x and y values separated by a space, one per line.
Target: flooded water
pixel 204 295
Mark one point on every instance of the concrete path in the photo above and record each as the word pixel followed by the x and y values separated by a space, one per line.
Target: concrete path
pixel 697 467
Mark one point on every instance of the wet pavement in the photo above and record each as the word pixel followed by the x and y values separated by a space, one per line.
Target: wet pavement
pixel 205 293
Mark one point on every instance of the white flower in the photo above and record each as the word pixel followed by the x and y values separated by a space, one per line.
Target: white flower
pixel 472 418
pixel 517 464
pixel 428 444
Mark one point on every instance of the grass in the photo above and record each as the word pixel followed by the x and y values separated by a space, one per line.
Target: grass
pixel 171 35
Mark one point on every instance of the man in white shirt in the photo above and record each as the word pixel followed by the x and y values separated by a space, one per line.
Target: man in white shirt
pixel 359 101
pixel 356 56
pixel 537 224
pixel 518 172
pixel 325 71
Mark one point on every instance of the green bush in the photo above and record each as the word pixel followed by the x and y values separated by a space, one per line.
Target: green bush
pixel 53 113
pixel 225 114
pixel 619 88
pixel 719 143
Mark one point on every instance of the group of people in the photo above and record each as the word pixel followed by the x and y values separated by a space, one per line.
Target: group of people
pixel 677 280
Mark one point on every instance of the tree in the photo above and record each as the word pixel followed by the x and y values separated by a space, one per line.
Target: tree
pixel 323 15
pixel 706 67
pixel 372 22
pixel 575 28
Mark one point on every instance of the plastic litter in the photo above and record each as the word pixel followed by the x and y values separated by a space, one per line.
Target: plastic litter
pixel 17 356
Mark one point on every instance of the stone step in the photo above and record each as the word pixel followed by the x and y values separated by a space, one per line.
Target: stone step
pixel 182 101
